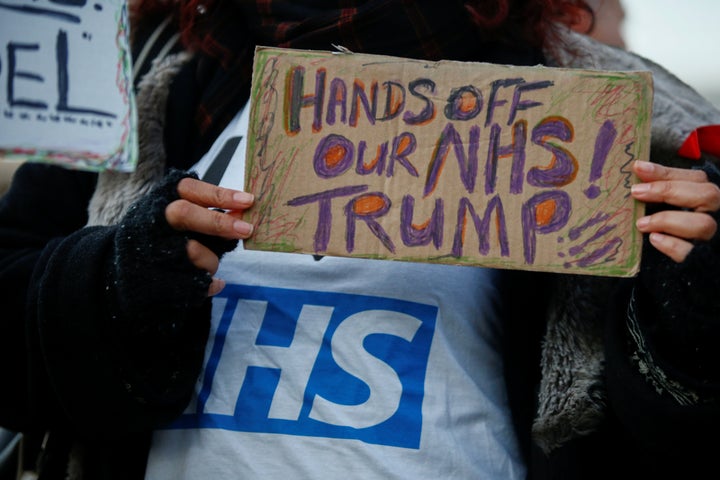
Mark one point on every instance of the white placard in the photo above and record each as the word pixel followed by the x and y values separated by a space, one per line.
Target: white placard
pixel 65 83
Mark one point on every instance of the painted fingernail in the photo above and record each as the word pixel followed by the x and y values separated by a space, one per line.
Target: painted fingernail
pixel 243 228
pixel 243 197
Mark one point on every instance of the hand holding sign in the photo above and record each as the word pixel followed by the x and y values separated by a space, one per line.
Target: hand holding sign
pixel 447 162
pixel 671 231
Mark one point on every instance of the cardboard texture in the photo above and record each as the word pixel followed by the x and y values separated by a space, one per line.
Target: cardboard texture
pixel 66 93
pixel 446 162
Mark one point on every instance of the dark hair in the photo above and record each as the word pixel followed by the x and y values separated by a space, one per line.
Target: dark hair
pixel 531 21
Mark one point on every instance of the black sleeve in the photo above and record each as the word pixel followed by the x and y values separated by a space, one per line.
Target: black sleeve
pixel 116 322
pixel 124 341
pixel 663 360
pixel 109 366
pixel 43 202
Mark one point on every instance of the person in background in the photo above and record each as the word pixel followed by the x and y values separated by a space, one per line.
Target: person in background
pixel 602 20
pixel 140 340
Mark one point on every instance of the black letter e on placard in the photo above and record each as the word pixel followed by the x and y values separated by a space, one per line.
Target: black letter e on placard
pixel 13 73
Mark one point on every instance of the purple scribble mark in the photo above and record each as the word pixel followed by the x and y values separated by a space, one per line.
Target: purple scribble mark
pixel 575 233
pixel 612 245
pixel 599 234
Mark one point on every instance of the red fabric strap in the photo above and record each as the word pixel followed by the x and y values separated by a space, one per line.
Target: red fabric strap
pixel 702 139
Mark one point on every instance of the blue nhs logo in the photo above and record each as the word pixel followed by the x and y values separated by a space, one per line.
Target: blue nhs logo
pixel 318 364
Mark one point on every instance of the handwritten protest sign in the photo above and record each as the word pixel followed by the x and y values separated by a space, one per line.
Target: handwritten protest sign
pixel 449 162
pixel 65 84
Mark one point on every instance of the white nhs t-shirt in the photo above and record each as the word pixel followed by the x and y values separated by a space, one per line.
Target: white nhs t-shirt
pixel 341 368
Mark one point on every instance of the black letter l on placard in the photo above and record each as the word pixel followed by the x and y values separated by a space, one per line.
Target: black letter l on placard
pixel 61 51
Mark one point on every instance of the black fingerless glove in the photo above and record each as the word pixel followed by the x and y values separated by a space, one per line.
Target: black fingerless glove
pixel 151 267
pixel 158 302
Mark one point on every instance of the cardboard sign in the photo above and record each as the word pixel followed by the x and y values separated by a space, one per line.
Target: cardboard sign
pixel 65 84
pixel 449 162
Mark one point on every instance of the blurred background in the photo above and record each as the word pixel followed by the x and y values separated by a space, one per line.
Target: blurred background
pixel 683 36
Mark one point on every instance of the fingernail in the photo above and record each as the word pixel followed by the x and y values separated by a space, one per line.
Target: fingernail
pixel 642 222
pixel 216 286
pixel 243 197
pixel 640 188
pixel 657 238
pixel 243 228
pixel 644 166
